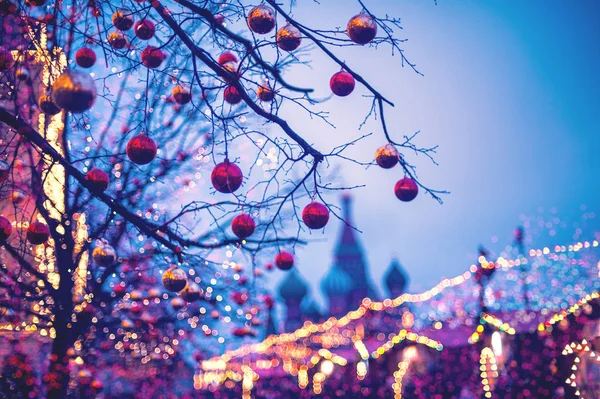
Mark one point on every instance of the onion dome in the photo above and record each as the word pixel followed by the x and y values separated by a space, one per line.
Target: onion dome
pixel 396 279
pixel 336 283
pixel 293 287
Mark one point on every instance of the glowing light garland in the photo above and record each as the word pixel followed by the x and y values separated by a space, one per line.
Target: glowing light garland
pixel 406 335
pixel 580 347
pixel 487 318
pixel 309 328
pixel 489 370
pixel 282 345
pixel 560 316
pixel 398 376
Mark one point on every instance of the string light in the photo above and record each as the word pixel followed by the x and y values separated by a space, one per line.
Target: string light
pixel 369 305
pixel 581 348
pixel 336 332
pixel 560 316
pixel 406 335
pixel 398 376
pixel 492 320
pixel 489 370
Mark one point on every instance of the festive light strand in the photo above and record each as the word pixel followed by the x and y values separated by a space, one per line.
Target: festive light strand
pixel 489 370
pixel 580 347
pixel 560 316
pixel 492 320
pixel 367 304
pixel 406 335
pixel 398 376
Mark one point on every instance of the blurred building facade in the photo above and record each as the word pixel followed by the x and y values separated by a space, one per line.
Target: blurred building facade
pixel 346 283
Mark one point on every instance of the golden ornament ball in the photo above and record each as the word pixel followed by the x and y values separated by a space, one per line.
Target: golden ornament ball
pixel 74 91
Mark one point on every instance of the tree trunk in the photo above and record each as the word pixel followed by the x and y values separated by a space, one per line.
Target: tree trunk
pixel 57 379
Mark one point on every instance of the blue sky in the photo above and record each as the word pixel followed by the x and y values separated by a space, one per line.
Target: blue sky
pixel 511 96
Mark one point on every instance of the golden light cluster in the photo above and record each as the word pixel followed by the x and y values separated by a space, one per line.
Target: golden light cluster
pixel 398 376
pixel 406 335
pixel 487 318
pixel 579 349
pixel 310 328
pixel 560 316
pixel 489 370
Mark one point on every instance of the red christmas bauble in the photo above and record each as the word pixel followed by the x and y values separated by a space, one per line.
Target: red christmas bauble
pixel 342 83
pixel 243 331
pixel 265 93
pixel 6 59
pixel 141 149
pixel 232 95
pixel 85 57
pixel 315 215
pixel 181 95
pixel 243 225
pixel 117 40
pixel 38 233
pixel 361 28
pixel 219 18
pixel 406 189
pixel 226 177
pixel 5 229
pixel 269 302
pixel 239 298
pixel 387 156
pixel 98 178
pixel 152 57
pixel 144 29
pixel 97 386
pixel 137 308
pixel 269 266
pixel 288 38
pixel 284 260
pixel 47 106
pixel 120 290
pixel 122 20
pixel 261 19
pixel 226 58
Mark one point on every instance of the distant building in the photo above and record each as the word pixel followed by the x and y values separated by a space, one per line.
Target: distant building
pixel 395 279
pixel 346 283
pixel 292 290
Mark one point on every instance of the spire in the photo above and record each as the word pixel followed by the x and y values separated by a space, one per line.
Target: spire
pixel 347 206
pixel 395 279
pixel 347 246
pixel 350 258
